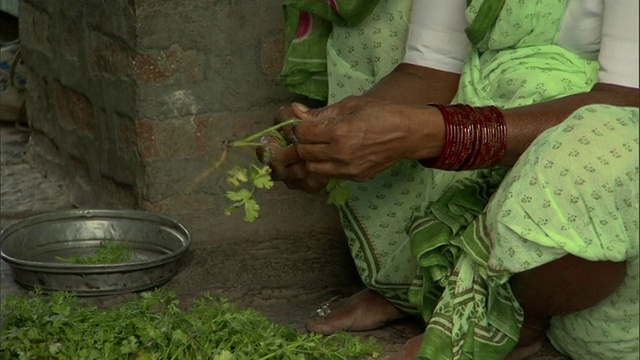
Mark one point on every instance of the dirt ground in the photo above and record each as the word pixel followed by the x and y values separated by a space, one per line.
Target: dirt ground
pixel 25 192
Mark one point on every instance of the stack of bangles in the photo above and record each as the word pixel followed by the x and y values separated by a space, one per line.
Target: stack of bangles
pixel 476 138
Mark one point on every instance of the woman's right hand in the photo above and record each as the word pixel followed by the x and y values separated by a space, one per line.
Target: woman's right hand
pixel 285 163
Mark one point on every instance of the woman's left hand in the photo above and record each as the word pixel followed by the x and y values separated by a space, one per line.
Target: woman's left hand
pixel 360 137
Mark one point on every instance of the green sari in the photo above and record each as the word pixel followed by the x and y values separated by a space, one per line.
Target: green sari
pixel 308 26
pixel 442 245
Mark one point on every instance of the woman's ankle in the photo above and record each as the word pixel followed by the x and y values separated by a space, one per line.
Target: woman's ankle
pixel 365 310
pixel 532 336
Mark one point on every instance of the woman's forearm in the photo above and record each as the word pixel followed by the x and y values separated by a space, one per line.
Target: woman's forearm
pixel 416 85
pixel 525 123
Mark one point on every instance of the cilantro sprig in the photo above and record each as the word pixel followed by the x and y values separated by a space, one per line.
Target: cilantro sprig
pixel 244 183
pixel 110 252
pixel 155 325
pixel 246 180
pixel 339 192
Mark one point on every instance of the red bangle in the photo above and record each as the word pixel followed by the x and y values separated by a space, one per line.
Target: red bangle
pixel 475 138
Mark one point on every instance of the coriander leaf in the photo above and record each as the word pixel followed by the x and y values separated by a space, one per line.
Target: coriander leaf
pixel 180 336
pixel 237 175
pixel 339 192
pixel 111 252
pixel 239 195
pixel 150 326
pixel 261 177
pixel 224 355
pixel 251 210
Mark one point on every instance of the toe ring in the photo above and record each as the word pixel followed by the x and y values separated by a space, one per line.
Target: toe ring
pixel 324 309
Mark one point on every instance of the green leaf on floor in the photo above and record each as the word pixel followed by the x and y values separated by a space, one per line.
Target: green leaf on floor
pixel 155 325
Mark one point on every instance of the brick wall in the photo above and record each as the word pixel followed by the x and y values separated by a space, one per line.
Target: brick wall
pixel 141 93
pixel 82 97
pixel 130 101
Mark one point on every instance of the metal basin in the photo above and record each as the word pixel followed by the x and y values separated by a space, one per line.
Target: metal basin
pixel 31 248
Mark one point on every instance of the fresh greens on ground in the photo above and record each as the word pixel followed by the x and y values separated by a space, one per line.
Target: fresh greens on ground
pixel 110 252
pixel 245 180
pixel 153 325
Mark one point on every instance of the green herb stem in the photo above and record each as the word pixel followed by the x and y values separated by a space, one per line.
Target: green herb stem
pixel 243 143
pixel 267 131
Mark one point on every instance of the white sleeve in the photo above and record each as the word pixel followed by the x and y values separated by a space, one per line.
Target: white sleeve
pixel 619 49
pixel 436 35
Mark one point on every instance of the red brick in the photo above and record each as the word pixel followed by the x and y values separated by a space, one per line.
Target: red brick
pixel 62 106
pixel 156 207
pixel 200 137
pixel 146 139
pixel 125 137
pixel 82 111
pixel 38 101
pixel 167 139
pixel 109 56
pixel 74 110
pixel 174 139
pixel 169 65
pixel 272 54
pixel 35 28
pixel 147 70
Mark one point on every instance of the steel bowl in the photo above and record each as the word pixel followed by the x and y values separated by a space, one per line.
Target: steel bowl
pixel 33 246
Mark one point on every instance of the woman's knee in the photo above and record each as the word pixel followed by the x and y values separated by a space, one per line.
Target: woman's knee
pixel 580 175
pixel 566 285
pixel 562 287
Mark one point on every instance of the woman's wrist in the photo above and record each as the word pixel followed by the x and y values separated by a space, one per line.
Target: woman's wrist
pixel 427 133
pixel 475 138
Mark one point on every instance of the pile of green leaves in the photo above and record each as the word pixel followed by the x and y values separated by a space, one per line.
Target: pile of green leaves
pixel 153 326
pixel 110 252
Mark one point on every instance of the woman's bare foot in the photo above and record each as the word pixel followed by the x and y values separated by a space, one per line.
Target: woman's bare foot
pixel 523 352
pixel 365 310
pixel 531 341
pixel 411 349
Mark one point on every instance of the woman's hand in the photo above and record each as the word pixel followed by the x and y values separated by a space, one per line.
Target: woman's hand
pixel 285 164
pixel 359 137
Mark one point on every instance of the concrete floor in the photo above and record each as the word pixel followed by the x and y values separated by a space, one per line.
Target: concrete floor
pixel 25 192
